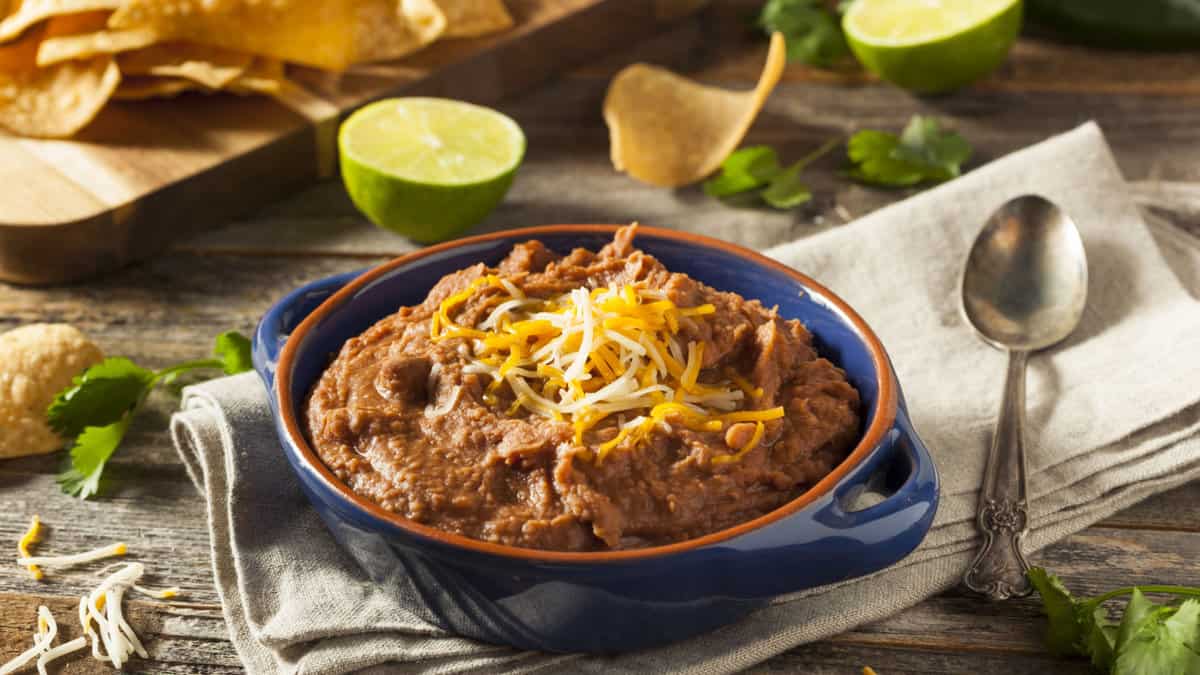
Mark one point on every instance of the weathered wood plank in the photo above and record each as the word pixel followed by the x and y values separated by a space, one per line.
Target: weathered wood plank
pixel 836 657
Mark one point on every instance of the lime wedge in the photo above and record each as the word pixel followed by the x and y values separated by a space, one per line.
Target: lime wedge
pixel 428 168
pixel 932 45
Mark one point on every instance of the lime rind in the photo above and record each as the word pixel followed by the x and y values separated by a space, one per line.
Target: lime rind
pixel 428 169
pixel 939 64
pixel 925 23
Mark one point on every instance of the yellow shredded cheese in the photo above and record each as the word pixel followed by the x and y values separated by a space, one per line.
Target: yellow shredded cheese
pixel 587 355
pixel 31 536
pixel 101 615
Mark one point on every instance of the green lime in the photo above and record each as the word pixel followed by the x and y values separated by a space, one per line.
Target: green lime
pixel 932 45
pixel 428 168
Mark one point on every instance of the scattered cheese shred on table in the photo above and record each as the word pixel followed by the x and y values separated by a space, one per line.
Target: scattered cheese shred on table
pixel 101 615
pixel 31 537
pixel 103 608
pixel 74 558
pixel 47 630
pixel 59 652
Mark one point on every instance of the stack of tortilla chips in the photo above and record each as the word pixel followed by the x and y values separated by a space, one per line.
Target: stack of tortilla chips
pixel 62 60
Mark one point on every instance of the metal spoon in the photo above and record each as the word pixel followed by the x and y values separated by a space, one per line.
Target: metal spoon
pixel 1024 288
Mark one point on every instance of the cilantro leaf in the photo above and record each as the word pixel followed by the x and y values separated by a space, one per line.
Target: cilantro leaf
pixel 1184 625
pixel 1150 639
pixel 786 190
pixel 756 168
pixel 924 142
pixel 1139 613
pixel 1153 643
pixel 100 404
pixel 1099 634
pixel 922 153
pixel 813 33
pixel 99 396
pixel 233 349
pixel 1064 631
pixel 89 455
pixel 745 169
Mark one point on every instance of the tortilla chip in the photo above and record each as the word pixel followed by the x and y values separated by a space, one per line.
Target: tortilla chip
pixel 29 12
pixel 264 76
pixel 333 35
pixel 667 130
pixel 56 101
pixel 72 24
pixel 141 87
pixel 36 362
pixel 83 45
pixel 212 67
pixel 471 18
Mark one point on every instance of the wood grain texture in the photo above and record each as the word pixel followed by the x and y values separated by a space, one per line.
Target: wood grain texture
pixel 201 159
pixel 168 309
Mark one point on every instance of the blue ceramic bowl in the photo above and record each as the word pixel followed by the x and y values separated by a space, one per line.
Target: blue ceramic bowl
pixel 616 600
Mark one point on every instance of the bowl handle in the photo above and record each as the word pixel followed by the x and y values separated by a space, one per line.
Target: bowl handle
pixel 283 317
pixel 826 542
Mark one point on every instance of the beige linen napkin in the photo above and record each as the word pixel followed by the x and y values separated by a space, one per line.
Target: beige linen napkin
pixel 1114 416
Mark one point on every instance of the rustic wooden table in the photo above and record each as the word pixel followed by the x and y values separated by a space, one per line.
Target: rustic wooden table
pixel 168 309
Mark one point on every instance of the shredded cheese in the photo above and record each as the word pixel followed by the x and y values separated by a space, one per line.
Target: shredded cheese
pixel 59 652
pixel 102 607
pixel 73 559
pixel 101 614
pixel 47 630
pixel 586 355
pixel 31 536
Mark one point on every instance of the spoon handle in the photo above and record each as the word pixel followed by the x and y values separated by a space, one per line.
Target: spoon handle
pixel 999 568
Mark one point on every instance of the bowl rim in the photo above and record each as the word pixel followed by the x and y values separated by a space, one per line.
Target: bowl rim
pixel 885 406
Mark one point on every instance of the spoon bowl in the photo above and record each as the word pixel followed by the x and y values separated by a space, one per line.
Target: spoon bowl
pixel 1025 282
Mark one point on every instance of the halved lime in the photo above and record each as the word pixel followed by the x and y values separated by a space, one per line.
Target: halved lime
pixel 932 45
pixel 428 168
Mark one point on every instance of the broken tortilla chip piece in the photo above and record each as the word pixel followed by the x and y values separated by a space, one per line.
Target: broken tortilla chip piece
pixel 472 18
pixel 142 87
pixel 264 76
pixel 212 67
pixel 667 130
pixel 36 362
pixel 30 12
pixel 83 45
pixel 333 35
pixel 51 102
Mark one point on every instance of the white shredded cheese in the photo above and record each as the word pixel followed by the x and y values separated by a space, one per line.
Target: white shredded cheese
pixel 46 630
pixel 75 558
pixel 59 652
pixel 101 614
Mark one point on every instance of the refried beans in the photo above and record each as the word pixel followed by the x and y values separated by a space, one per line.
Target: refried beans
pixel 581 402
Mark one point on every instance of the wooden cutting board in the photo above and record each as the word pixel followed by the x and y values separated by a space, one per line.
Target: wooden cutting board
pixel 146 173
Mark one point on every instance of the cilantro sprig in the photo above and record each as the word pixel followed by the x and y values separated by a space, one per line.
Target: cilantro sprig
pixel 813 32
pixel 923 153
pixel 1150 638
pixel 756 170
pixel 96 410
